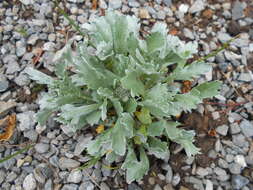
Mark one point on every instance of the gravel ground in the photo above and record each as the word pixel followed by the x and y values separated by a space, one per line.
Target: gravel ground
pixel 31 31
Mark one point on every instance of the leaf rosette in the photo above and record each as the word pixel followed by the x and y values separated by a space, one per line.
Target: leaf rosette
pixel 124 83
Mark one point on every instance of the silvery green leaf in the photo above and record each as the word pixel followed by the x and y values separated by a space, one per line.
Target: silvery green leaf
pixel 94 117
pixel 157 147
pixel 43 115
pixel 103 108
pixel 111 157
pixel 208 89
pixel 127 122
pixel 189 100
pixel 182 137
pixel 131 105
pixel 118 139
pixel 132 82
pixel 144 116
pixel 156 128
pixel 135 169
pixel 38 76
pixel 191 71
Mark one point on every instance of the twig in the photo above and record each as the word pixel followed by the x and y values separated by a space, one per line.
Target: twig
pixel 215 52
pixel 92 179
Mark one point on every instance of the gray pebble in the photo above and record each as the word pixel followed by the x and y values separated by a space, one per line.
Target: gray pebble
pixel 237 11
pixel 87 185
pixel 239 140
pixel 238 181
pixel 221 173
pixel 48 185
pixel 115 4
pixel 29 182
pixel 197 6
pixel 104 186
pixel 2 176
pixel 32 39
pixel 76 1
pixel 188 33
pixel 222 163
pixel 223 37
pixel 4 84
pixel 202 172
pixel 133 186
pixel 169 174
pixel 222 130
pixel 20 48
pixel 157 187
pixel 245 77
pixel 234 128
pixel 67 163
pixel 75 176
pixel 247 128
pixel 70 187
pixel 235 168
pixel 26 120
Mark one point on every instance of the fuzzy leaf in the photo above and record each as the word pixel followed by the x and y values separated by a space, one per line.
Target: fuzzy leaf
pixel 135 169
pixel 38 76
pixel 157 147
pixel 208 89
pixel 144 116
pixel 182 137
pixel 132 82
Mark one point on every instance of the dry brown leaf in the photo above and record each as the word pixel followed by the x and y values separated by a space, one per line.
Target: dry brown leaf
pixel 94 4
pixel 11 123
pixel 186 87
pixel 174 31
pixel 208 13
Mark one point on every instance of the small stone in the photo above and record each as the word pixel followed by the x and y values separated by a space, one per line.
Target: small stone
pixel 222 163
pixel 223 37
pixel 49 46
pixel 27 2
pixel 234 128
pixel 29 182
pixel 4 84
pixel 76 1
pixel 238 181
pixel 222 130
pixel 221 173
pixel 87 185
pixel 157 187
pixel 26 120
pixel 239 159
pixel 151 180
pixel 237 11
pixel 67 163
pixel 216 115
pixel 197 6
pixel 188 33
pixel 234 168
pixel 245 77
pixel 67 130
pixel 169 174
pixel 209 185
pixel 20 48
pixel 51 37
pixel 239 140
pixel 247 128
pixel 48 185
pixel 41 148
pixel 104 186
pixel 115 4
pixel 176 179
pixel 5 107
pixel 183 8
pixel 183 188
pixel 167 2
pixel 71 187
pixel 42 172
pixel 12 67
pixel 202 171
pixel 75 176
pixel 229 158
pixel 133 3
pixel 143 13
pixel 32 39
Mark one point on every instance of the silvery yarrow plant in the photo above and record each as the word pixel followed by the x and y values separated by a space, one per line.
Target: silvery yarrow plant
pixel 121 81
